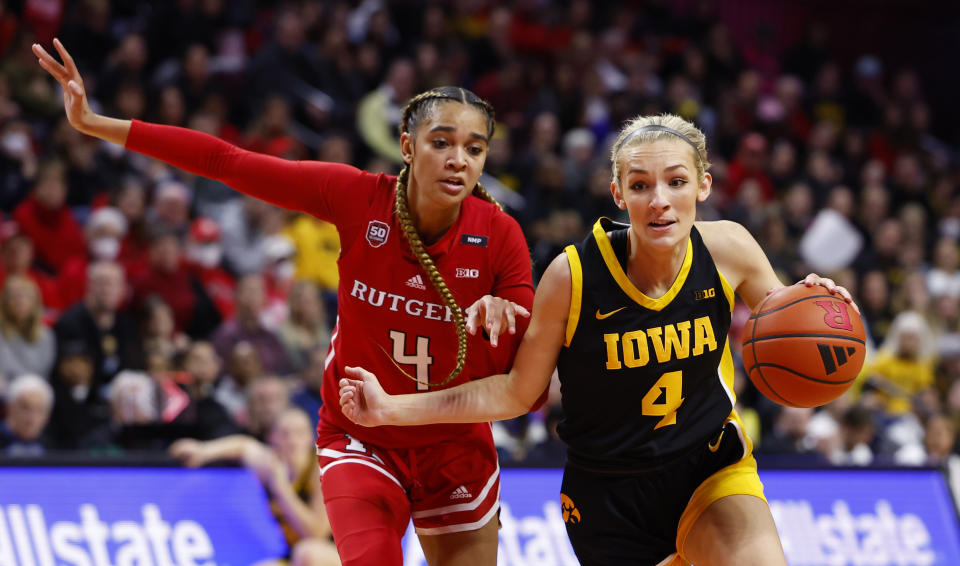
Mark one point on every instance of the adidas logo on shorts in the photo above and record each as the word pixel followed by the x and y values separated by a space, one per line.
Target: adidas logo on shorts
pixel 460 493
pixel 416 282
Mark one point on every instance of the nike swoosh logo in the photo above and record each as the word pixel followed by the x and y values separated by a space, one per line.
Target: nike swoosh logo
pixel 715 445
pixel 601 316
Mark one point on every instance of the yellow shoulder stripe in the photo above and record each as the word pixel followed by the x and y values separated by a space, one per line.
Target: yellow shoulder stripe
pixel 576 292
pixel 727 290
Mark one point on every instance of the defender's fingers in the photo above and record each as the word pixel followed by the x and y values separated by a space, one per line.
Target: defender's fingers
pixel 473 320
pixel 511 320
pixel 50 65
pixel 493 328
pixel 68 63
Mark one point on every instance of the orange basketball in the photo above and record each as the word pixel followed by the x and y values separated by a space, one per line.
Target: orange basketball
pixel 802 346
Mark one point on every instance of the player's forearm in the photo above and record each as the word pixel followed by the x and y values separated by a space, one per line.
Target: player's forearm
pixel 110 129
pixel 493 398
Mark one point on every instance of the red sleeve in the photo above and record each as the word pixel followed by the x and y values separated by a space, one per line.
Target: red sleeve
pixel 317 188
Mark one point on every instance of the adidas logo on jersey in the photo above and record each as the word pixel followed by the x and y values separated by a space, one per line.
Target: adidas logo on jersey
pixel 460 493
pixel 416 282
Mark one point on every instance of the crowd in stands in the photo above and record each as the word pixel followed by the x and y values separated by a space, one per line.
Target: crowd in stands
pixel 140 305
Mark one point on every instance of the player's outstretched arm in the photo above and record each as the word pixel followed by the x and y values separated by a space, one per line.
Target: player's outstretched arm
pixel 497 397
pixel 321 189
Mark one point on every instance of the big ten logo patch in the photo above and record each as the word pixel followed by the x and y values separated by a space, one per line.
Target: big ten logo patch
pixel 467 273
pixel 570 513
pixel 377 233
pixel 701 294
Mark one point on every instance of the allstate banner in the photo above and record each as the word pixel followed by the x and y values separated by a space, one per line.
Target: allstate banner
pixel 825 518
pixel 864 517
pixel 128 516
pixel 219 517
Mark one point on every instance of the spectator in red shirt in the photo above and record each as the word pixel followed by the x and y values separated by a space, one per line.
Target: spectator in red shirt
pixel 170 208
pixel 104 233
pixel 751 163
pixel 130 200
pixel 278 277
pixel 246 326
pixel 170 278
pixel 204 255
pixel 16 258
pixel 44 218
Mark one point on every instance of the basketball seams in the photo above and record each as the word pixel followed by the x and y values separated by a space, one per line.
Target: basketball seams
pixel 783 401
pixel 804 376
pixel 802 335
pixel 756 361
pixel 781 307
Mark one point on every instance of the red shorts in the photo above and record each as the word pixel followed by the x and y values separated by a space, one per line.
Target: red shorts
pixel 452 486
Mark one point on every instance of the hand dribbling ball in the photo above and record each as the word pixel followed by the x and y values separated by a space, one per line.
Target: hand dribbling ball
pixel 803 347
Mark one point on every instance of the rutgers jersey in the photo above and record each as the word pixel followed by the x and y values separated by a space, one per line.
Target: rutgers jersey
pixel 660 368
pixel 390 318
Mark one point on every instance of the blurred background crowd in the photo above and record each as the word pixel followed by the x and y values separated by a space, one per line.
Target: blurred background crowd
pixel 140 305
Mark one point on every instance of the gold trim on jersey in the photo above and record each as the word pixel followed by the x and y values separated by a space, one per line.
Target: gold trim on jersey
pixel 727 289
pixel 576 292
pixel 610 258
pixel 726 370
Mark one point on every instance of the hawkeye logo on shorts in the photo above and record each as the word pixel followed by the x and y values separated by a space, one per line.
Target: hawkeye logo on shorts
pixel 377 233
pixel 570 513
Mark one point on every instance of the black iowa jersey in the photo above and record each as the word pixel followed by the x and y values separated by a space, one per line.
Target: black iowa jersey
pixel 643 379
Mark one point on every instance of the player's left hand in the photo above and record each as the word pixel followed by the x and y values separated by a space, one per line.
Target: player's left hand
pixel 496 315
pixel 831 286
pixel 362 399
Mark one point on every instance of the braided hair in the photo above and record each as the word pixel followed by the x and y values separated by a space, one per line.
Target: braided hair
pixel 418 109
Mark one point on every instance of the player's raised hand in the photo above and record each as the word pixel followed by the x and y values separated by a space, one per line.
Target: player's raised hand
pixel 496 315
pixel 74 95
pixel 362 399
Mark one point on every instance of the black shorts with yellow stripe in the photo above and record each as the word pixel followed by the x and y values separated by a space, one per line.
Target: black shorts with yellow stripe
pixel 643 517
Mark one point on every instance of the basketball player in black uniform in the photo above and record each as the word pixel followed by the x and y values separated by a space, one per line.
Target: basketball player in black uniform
pixel 635 319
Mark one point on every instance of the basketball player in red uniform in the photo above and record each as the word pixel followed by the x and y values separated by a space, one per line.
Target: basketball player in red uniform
pixel 414 248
